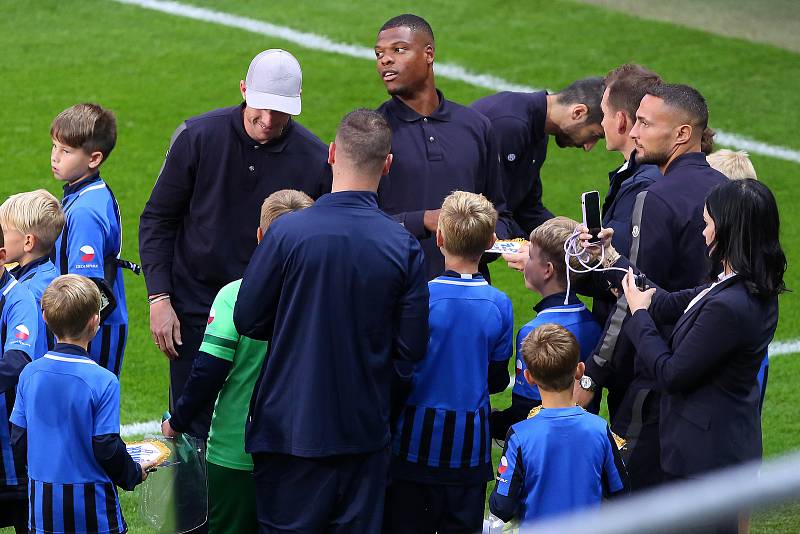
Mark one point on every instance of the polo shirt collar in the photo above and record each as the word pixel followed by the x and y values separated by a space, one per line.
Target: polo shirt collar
pixel 538 113
pixel 70 349
pixel 73 188
pixel 5 279
pixel 687 160
pixel 276 145
pixel 453 274
pixel 556 299
pixel 21 271
pixel 399 109
pixel 349 199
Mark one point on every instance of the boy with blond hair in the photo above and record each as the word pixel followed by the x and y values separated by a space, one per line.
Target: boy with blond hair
pixel 441 451
pixel 546 274
pixel 735 164
pixel 226 369
pixel 31 223
pixel 19 333
pixel 91 242
pixel 562 458
pixel 75 465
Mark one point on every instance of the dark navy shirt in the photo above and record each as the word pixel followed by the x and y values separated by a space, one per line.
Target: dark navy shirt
pixel 451 149
pixel 197 231
pixel 521 143
pixel 339 291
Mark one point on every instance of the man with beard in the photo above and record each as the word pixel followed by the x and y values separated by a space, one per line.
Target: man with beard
pixel 668 132
pixel 523 123
pixel 439 146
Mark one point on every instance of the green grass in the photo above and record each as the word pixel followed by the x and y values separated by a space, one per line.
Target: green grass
pixel 155 70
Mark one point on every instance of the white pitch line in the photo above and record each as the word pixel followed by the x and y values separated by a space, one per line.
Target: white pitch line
pixel 447 70
pixel 137 429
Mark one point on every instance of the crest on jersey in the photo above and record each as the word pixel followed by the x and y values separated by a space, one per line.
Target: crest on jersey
pixel 87 253
pixel 519 367
pixel 503 467
pixel 22 333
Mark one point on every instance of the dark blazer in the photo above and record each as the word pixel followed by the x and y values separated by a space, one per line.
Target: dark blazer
pixel 706 372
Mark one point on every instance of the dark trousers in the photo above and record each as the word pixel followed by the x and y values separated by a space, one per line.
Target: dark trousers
pixel 501 420
pixel 332 494
pixel 14 509
pixel 179 370
pixel 637 422
pixel 417 508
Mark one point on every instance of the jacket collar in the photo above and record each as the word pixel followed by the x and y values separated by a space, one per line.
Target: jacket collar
pixel 692 312
pixel 689 159
pixel 556 299
pixel 20 271
pixel 74 187
pixel 349 199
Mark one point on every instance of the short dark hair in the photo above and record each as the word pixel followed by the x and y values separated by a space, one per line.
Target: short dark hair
pixel 627 85
pixel 686 99
pixel 746 234
pixel 365 137
pixel 551 354
pixel 408 20
pixel 588 91
pixel 707 141
pixel 88 126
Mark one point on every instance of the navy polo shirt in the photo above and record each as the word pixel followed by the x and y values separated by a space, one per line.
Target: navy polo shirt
pixel 518 125
pixel 339 291
pixel 197 231
pixel 451 149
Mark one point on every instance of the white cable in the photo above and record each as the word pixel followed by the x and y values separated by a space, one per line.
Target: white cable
pixel 571 250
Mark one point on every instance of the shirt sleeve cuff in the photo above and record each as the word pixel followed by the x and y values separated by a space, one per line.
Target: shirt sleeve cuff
pixel 414 222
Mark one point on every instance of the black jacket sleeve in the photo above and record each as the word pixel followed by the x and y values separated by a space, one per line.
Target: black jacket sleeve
pixel 498 377
pixel 19 441
pixel 110 452
pixel 205 381
pixel 10 367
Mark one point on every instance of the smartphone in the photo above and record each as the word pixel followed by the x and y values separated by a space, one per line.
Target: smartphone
pixel 590 204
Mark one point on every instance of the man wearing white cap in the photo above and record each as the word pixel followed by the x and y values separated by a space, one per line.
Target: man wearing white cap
pixel 196 231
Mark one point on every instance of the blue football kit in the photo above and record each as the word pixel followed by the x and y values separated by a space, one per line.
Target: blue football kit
pixel 18 337
pixel 69 491
pixel 574 317
pixel 90 245
pixel 36 276
pixel 445 423
pixel 560 460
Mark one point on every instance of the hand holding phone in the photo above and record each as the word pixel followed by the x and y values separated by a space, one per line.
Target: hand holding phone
pixel 590 205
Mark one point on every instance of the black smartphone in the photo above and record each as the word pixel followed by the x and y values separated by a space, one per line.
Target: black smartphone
pixel 590 204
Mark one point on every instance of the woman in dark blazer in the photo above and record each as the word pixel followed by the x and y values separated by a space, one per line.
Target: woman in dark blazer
pixel 706 369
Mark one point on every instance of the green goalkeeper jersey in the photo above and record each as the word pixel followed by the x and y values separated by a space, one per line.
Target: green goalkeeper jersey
pixel 221 340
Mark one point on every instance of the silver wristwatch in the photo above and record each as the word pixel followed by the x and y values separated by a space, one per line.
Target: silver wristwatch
pixel 587 383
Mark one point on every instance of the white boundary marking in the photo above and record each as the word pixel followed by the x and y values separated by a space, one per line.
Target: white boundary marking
pixel 447 70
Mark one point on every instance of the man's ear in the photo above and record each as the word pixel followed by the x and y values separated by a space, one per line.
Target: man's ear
pixel 622 123
pixel 430 53
pixel 332 153
pixel 243 89
pixel 528 377
pixel 95 159
pixel 578 112
pixel 580 370
pixel 683 134
pixel 439 238
pixel 387 164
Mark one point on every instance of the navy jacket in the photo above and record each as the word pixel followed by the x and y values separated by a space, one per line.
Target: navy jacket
pixel 518 126
pixel 339 291
pixel 452 149
pixel 706 372
pixel 672 250
pixel 197 231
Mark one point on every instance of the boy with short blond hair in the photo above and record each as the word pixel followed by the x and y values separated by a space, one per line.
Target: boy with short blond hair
pixel 31 223
pixel 735 164
pixel 74 466
pixel 546 274
pixel 226 369
pixel 91 242
pixel 441 451
pixel 562 458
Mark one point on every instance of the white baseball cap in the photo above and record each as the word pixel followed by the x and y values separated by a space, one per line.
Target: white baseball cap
pixel 273 81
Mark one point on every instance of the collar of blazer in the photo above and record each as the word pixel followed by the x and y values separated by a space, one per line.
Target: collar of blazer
pixel 688 317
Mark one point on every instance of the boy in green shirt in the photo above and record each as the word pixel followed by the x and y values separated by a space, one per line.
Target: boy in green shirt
pixel 227 368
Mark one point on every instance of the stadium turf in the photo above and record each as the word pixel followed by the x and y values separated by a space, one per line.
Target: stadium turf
pixel 154 70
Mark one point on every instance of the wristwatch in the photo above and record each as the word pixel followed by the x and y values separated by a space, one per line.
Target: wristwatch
pixel 587 383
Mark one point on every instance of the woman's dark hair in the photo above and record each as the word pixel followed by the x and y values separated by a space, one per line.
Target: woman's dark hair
pixel 746 231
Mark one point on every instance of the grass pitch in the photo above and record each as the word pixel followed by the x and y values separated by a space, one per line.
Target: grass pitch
pixel 155 70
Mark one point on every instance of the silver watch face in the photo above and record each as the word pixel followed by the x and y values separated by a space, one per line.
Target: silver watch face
pixel 587 383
